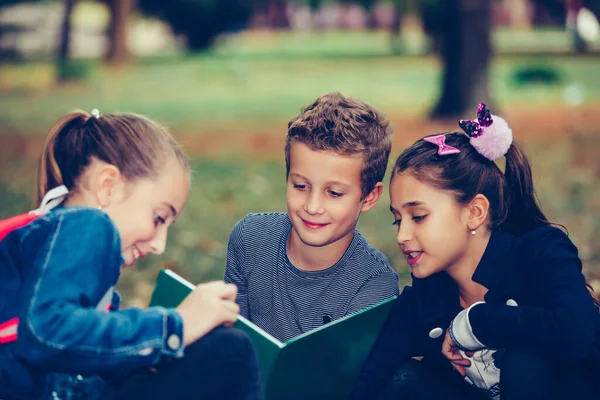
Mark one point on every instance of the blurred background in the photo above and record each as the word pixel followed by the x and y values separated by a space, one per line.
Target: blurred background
pixel 226 75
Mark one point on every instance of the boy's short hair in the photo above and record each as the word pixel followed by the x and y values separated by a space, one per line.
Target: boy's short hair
pixel 344 126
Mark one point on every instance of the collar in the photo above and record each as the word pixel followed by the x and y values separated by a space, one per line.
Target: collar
pixel 495 268
pixel 438 294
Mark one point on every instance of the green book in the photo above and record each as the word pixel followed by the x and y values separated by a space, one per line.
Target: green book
pixel 320 364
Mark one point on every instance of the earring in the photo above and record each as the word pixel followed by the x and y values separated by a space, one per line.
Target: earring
pixel 473 232
pixel 100 207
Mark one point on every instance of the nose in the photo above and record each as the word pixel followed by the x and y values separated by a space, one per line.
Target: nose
pixel 313 204
pixel 159 241
pixel 404 233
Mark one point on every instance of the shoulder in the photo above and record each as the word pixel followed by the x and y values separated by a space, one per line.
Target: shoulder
pixel 544 240
pixel 79 221
pixel 370 255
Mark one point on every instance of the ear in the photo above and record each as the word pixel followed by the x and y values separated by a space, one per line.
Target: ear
pixel 372 198
pixel 478 210
pixel 107 185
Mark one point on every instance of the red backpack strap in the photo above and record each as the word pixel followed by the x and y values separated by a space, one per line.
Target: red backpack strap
pixel 8 330
pixel 10 224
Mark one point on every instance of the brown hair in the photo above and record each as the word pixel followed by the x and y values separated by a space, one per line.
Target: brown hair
pixel 133 143
pixel 345 126
pixel 514 206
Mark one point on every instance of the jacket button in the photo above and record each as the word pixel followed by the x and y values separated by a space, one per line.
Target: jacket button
pixel 173 342
pixel 436 333
pixel 511 302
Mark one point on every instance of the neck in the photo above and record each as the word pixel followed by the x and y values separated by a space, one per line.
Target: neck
pixel 80 198
pixel 312 258
pixel 462 271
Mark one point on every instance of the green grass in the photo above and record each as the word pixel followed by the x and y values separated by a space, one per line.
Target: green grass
pixel 211 92
pixel 247 92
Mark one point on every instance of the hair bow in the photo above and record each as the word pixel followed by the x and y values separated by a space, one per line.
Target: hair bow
pixel 490 135
pixel 440 142
pixel 473 128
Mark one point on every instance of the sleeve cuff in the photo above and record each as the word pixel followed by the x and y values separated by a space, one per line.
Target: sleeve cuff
pixel 461 331
pixel 173 334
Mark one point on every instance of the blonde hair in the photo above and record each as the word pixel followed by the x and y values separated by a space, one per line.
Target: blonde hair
pixel 133 143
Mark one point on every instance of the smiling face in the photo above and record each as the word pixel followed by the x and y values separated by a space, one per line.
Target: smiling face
pixel 324 198
pixel 433 229
pixel 145 214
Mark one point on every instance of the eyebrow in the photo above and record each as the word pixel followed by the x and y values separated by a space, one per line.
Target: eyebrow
pixel 408 204
pixel 173 210
pixel 296 175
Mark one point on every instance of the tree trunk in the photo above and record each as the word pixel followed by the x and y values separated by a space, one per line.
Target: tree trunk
pixel 466 50
pixel 65 42
pixel 120 10
pixel 572 9
pixel 519 14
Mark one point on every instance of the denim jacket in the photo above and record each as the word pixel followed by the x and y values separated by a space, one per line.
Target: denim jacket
pixel 53 273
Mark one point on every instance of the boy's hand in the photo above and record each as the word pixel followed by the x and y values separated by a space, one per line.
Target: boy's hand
pixel 452 353
pixel 210 305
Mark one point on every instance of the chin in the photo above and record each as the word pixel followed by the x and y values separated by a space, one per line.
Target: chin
pixel 420 273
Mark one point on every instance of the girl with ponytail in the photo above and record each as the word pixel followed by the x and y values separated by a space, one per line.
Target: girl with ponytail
pixel 109 187
pixel 498 294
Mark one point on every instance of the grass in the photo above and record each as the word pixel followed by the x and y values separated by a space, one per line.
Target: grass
pixel 215 93
pixel 223 106
pixel 260 79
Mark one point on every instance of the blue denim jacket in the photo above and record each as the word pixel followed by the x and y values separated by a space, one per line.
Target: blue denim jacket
pixel 53 273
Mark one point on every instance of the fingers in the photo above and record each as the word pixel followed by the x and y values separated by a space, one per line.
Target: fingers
pixel 231 307
pixel 221 289
pixel 460 369
pixel 229 312
pixel 469 353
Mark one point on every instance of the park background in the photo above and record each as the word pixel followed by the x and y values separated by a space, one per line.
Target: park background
pixel 226 75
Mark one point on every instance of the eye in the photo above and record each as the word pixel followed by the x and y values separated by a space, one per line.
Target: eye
pixel 159 220
pixel 397 222
pixel 299 186
pixel 418 218
pixel 335 194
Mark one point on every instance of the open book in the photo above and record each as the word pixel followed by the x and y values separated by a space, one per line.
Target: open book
pixel 320 364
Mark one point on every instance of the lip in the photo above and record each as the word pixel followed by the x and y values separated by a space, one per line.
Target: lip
pixel 412 260
pixel 141 254
pixel 313 225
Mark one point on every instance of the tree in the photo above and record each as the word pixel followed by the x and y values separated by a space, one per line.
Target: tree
pixel 465 47
pixel 200 21
pixel 120 11
pixel 65 42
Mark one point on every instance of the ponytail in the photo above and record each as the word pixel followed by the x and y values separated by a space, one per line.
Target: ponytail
pixel 524 212
pixel 134 144
pixel 49 172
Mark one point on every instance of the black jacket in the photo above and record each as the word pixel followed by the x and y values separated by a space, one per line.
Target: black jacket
pixel 539 270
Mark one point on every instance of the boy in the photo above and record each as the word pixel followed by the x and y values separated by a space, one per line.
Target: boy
pixel 299 270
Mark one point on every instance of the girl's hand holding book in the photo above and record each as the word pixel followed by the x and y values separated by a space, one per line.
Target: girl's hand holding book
pixel 210 305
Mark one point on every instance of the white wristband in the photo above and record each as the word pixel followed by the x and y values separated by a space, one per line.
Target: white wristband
pixel 462 332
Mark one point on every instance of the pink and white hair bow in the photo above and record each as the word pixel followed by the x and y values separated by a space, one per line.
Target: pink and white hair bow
pixel 490 135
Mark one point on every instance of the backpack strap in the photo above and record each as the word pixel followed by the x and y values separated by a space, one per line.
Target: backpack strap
pixel 8 331
pixel 10 224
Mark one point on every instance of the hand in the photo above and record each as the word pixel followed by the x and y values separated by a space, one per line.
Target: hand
pixel 210 305
pixel 451 351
